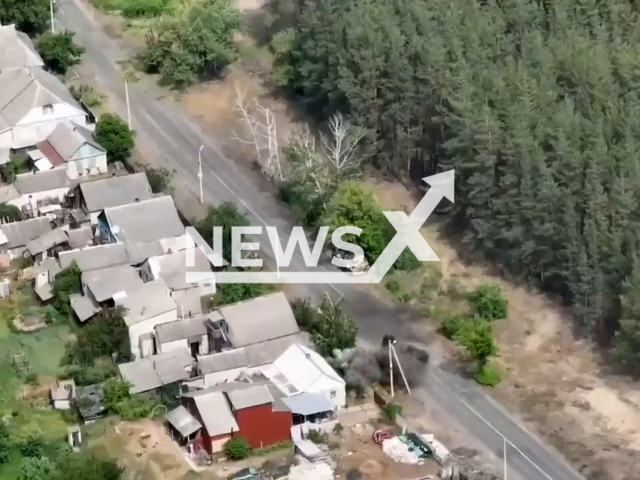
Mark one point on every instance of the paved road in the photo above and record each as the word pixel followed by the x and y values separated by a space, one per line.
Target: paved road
pixel 164 129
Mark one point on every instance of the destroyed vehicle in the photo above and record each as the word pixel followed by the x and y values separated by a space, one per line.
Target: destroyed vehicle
pixel 249 473
pixel 361 267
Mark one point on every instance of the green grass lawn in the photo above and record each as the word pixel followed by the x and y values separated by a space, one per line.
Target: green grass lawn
pixel 43 348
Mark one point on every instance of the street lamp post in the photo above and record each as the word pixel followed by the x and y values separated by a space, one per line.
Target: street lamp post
pixel 504 454
pixel 53 28
pixel 126 94
pixel 200 172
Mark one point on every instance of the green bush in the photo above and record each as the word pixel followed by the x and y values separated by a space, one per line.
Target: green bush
pixel 32 446
pixel 453 324
pixel 393 286
pixel 32 379
pixel 489 376
pixel 237 449
pixel 6 446
pixel 487 301
pixel 145 8
pixel 391 410
pixel 318 437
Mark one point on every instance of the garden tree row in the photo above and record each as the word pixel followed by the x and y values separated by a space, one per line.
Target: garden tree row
pixel 533 103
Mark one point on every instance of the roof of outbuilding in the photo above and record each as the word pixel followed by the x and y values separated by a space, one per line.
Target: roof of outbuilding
pixel 24 89
pixel 20 233
pixel 17 49
pixel 146 301
pixel 189 301
pixel 249 397
pixel 93 258
pixel 181 329
pixel 216 414
pixel 183 421
pixel 145 221
pixel 154 371
pixel 115 191
pixel 46 241
pixel 42 181
pixel 259 319
pixel 83 306
pixel 8 193
pixel 105 283
pixel 220 362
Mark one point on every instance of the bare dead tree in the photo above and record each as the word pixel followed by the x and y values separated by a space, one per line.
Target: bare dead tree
pixel 340 146
pixel 261 126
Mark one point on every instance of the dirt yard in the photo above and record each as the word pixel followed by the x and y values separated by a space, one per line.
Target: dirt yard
pixel 359 452
pixel 556 383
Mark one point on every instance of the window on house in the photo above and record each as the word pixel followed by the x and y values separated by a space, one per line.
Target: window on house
pixel 47 109
pixel 333 394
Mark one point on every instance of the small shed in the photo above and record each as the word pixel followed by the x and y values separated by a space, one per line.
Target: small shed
pixel 91 403
pixel 183 426
pixel 63 394
pixel 309 407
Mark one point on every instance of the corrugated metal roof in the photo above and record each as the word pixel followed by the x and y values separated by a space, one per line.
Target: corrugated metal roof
pixel 107 282
pixel 220 362
pixel 183 421
pixel 93 258
pixel 17 49
pixel 46 241
pixel 42 181
pixel 67 138
pixel 308 403
pixel 83 306
pixel 115 191
pixel 259 319
pixel 216 414
pixel 144 221
pixel 154 371
pixel 24 89
pixel 250 397
pixel 20 233
pixel 181 329
pixel 146 301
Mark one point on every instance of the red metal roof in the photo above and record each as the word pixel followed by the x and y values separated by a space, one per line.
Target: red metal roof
pixel 51 153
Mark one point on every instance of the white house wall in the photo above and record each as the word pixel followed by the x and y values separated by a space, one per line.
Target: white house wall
pixel 87 166
pixel 325 385
pixel 135 331
pixel 184 343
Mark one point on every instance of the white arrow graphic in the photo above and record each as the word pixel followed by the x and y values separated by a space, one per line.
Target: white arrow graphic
pixel 407 236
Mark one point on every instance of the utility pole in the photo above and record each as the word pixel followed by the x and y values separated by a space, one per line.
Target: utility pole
pixel 504 442
pixel 126 93
pixel 406 384
pixel 200 172
pixel 53 28
pixel 391 368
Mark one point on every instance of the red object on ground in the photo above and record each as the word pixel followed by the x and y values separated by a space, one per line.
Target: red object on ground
pixel 380 436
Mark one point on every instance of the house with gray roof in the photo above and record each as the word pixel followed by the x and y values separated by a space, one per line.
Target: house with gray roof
pixel 259 319
pixel 40 190
pixel 17 50
pixel 32 103
pixel 152 372
pixel 15 236
pixel 191 334
pixel 96 196
pixel 72 148
pixel 45 245
pixel 144 222
pixel 146 306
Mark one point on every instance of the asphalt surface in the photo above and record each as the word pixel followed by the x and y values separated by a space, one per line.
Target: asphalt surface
pixel 164 129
